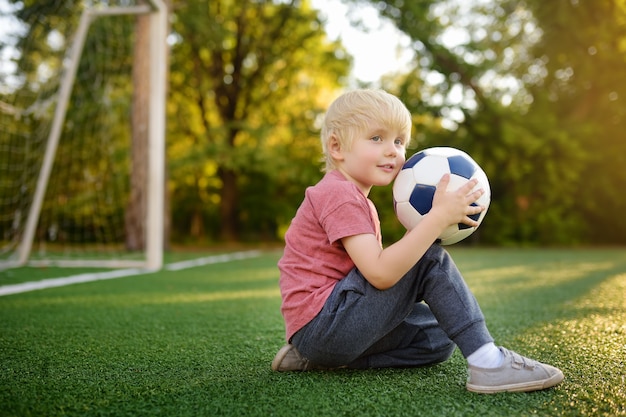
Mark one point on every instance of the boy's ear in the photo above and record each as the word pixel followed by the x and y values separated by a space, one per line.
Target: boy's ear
pixel 334 148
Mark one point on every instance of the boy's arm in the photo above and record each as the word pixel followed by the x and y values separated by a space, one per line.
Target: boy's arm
pixel 383 268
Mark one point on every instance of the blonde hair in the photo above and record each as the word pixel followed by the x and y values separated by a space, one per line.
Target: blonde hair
pixel 354 111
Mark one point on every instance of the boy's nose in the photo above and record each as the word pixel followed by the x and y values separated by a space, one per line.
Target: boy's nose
pixel 391 149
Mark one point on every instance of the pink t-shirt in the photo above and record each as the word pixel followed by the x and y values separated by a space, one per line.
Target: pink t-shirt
pixel 314 259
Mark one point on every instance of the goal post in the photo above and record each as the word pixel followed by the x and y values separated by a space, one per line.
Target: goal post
pixel 152 258
pixel 156 152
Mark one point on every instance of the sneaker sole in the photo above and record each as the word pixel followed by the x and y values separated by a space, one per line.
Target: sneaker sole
pixel 521 387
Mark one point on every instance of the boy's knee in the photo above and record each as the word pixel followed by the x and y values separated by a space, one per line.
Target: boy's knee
pixel 445 352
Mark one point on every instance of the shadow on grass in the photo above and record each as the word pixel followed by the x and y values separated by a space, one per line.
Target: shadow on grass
pixel 538 286
pixel 565 308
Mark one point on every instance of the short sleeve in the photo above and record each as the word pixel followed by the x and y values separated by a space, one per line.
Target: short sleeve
pixel 348 219
pixel 342 210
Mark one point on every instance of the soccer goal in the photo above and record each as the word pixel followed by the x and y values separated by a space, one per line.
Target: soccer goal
pixel 82 109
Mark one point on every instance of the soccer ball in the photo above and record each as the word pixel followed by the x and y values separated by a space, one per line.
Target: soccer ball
pixel 414 188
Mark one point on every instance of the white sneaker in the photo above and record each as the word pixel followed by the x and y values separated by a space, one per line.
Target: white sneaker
pixel 516 374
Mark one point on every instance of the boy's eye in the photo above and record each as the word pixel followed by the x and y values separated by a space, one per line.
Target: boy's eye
pixel 399 141
pixel 376 138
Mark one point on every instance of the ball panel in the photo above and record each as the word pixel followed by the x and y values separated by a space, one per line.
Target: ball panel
pixel 422 198
pixel 458 236
pixel 414 159
pixel 429 170
pixel 461 166
pixel 407 215
pixel 456 182
pixel 449 232
pixel 444 151
pixel 403 185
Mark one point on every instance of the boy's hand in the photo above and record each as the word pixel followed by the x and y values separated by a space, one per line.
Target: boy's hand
pixel 454 207
pixel 383 268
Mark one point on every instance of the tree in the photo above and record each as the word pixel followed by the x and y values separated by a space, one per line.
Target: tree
pixel 247 82
pixel 583 54
pixel 515 85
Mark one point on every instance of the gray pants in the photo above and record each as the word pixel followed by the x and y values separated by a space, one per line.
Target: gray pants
pixel 417 322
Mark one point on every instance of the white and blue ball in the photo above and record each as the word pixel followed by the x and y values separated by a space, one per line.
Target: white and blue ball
pixel 414 188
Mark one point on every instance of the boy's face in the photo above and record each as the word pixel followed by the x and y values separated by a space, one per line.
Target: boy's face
pixel 375 157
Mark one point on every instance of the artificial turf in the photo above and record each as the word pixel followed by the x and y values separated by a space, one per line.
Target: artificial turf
pixel 199 342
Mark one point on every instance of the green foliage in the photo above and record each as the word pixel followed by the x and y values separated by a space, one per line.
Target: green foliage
pixel 532 90
pixel 540 88
pixel 584 88
pixel 247 85
pixel 200 342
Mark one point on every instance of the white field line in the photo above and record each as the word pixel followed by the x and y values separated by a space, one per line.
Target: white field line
pixel 73 279
pixel 98 276
pixel 227 257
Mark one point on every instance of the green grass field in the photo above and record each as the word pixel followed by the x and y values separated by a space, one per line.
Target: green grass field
pixel 199 342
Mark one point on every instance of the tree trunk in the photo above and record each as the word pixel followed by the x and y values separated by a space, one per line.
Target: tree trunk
pixel 229 207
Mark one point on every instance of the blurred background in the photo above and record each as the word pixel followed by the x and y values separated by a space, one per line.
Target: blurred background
pixel 533 90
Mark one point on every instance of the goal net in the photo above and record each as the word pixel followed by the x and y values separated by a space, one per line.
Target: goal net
pixel 81 155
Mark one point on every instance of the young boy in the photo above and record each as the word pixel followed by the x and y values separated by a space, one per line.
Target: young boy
pixel 349 302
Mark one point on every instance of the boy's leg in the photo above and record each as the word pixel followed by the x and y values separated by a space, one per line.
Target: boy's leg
pixel 356 315
pixel 358 319
pixel 417 341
